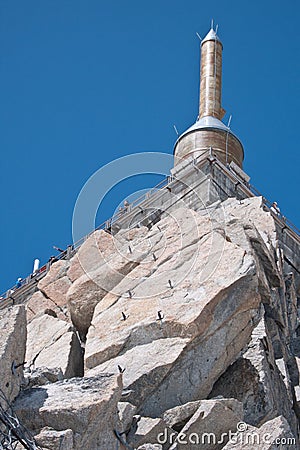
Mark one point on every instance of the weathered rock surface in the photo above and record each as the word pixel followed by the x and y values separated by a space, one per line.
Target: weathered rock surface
pixel 200 305
pixel 80 405
pixel 56 283
pixel 144 369
pixel 254 379
pixel 53 343
pixel 55 440
pixel 90 256
pixel 126 412
pixel 248 212
pixel 208 311
pixel 39 304
pixel 177 417
pixel 251 228
pixel 148 430
pixel 209 426
pixel 273 435
pixel 12 351
pixel 88 290
pixel 41 376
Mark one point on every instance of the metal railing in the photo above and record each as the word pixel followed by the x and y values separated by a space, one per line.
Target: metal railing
pixel 7 297
pixel 248 188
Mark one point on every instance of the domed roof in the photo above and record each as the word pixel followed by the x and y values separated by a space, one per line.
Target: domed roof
pixel 205 123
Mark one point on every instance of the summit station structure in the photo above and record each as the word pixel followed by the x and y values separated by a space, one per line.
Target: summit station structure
pixel 177 318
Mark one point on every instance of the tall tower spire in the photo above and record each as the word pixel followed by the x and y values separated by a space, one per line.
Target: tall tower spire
pixel 209 132
pixel 211 76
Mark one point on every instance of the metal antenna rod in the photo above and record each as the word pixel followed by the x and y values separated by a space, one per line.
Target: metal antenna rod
pixel 197 34
pixel 176 131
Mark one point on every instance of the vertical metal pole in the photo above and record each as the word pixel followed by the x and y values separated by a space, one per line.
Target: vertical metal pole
pixel 36 265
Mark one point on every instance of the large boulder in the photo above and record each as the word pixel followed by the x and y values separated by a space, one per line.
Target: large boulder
pixel 87 406
pixel 210 425
pixel 249 211
pixel 253 229
pixel 116 262
pixel 256 381
pixel 53 343
pixel 178 416
pixel 12 351
pixel 272 435
pixel 126 412
pixel 145 367
pixel 207 292
pixel 100 277
pixel 41 376
pixel 40 304
pixel 98 246
pixel 148 430
pixel 56 283
pixel 55 440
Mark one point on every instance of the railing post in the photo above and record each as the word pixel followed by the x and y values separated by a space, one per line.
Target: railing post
pixel 69 252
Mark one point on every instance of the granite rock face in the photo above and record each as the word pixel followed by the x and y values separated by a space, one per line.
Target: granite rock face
pixel 12 352
pixel 178 416
pixel 55 440
pixel 272 435
pixel 201 313
pixel 53 343
pixel 189 326
pixel 126 413
pixel 89 289
pixel 91 255
pixel 258 383
pixel 79 405
pixel 148 430
pixel 41 376
pixel 39 304
pixel 56 283
pixel 209 426
pixel 142 375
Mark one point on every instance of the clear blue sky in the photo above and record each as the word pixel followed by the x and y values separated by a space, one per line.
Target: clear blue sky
pixel 84 82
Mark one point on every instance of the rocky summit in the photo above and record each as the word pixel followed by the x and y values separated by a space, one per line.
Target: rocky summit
pixel 181 335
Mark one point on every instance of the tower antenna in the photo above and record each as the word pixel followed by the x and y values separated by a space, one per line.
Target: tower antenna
pixel 229 121
pixel 176 131
pixel 199 36
pixel 212 23
pixel 217 27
